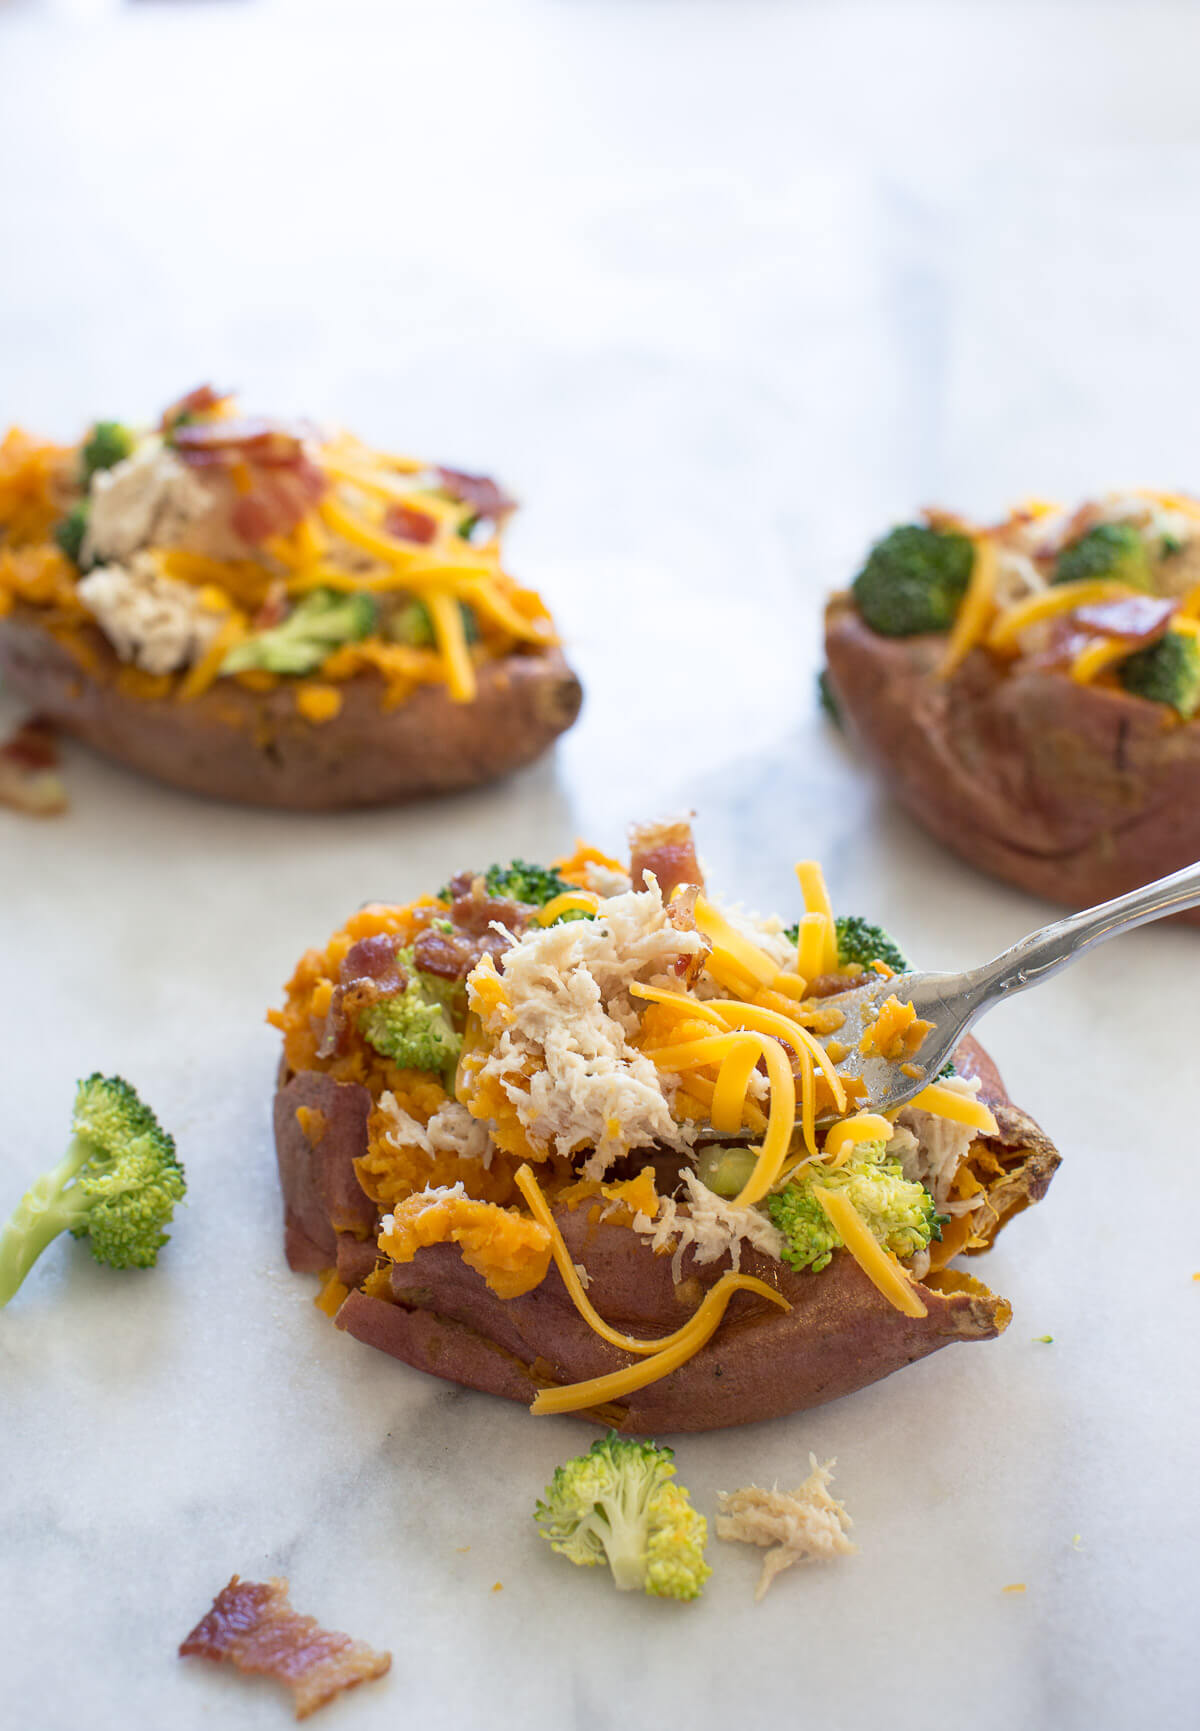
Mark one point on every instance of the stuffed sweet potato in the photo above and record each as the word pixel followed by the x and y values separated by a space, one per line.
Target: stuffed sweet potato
pixel 554 1134
pixel 267 614
pixel 1032 691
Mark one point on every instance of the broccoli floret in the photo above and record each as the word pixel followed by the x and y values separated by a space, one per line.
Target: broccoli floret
pixel 914 580
pixel 117 1186
pixel 108 444
pixel 412 624
pixel 1166 672
pixel 415 1029
pixel 858 941
pixel 899 1212
pixel 321 622
pixel 618 1504
pixel 1109 550
pixel 70 531
pixel 826 699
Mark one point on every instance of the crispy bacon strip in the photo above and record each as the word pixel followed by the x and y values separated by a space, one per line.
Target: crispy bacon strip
pixel 253 1624
pixel 197 402
pixel 451 955
pixel 369 971
pixel 666 849
pixel 480 491
pixel 29 778
pixel 410 524
pixel 1138 617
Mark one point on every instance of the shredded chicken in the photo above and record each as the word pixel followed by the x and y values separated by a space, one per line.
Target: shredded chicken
pixel 564 1060
pixel 451 1130
pixel 149 500
pixel 931 1149
pixel 711 1227
pixel 806 1525
pixel 158 624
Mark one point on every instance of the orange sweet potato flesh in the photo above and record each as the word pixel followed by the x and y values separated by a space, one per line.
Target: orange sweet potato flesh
pixel 1074 792
pixel 253 747
pixel 841 1334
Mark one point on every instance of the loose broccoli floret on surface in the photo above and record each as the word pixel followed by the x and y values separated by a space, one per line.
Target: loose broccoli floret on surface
pixel 914 580
pixel 1166 672
pixel 413 625
pixel 321 622
pixel 898 1212
pixel 71 529
pixel 618 1504
pixel 415 1028
pixel 858 941
pixel 108 444
pixel 117 1186
pixel 1109 550
pixel 826 698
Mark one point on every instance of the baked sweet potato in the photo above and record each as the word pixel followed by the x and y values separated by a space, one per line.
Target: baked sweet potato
pixel 1074 792
pixel 1034 754
pixel 271 613
pixel 437 1305
pixel 256 747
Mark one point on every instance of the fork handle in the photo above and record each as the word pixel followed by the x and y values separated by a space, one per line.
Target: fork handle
pixel 1047 951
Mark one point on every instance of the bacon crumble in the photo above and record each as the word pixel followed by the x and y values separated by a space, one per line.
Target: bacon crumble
pixel 252 1623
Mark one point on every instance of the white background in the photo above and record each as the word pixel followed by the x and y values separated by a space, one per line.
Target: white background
pixel 720 290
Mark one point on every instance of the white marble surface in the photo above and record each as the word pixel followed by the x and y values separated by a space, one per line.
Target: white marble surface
pixel 718 289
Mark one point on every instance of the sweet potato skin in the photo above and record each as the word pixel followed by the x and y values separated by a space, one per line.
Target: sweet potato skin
pixel 840 1334
pixel 1074 792
pixel 255 748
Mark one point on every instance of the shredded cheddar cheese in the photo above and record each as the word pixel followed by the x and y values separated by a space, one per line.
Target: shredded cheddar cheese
pixel 959 1108
pixel 878 1264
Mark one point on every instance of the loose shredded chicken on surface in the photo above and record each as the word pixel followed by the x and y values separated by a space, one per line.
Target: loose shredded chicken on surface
pixel 806 1525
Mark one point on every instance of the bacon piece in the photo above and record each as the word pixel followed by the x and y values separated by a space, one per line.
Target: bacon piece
pixel 253 1624
pixel 666 849
pixel 277 498
pixel 829 985
pixel 410 524
pixel 480 491
pixel 1138 617
pixel 29 778
pixel 197 402
pixel 274 609
pixel 369 973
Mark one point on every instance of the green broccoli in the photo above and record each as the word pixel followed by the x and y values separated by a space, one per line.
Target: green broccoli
pixel 914 580
pixel 117 1186
pixel 617 1504
pixel 108 444
pixel 322 621
pixel 70 531
pixel 415 1029
pixel 412 624
pixel 858 941
pixel 1166 672
pixel 899 1212
pixel 1109 550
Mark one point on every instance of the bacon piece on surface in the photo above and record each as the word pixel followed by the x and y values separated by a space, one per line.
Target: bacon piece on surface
pixel 488 499
pixel 666 849
pixel 253 1624
pixel 29 778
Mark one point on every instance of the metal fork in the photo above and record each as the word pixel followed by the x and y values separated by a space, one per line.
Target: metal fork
pixel 953 1003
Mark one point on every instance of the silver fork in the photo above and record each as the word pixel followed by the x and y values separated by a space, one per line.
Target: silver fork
pixel 955 1002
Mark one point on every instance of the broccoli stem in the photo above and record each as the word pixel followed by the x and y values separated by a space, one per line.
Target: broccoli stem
pixel 44 1212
